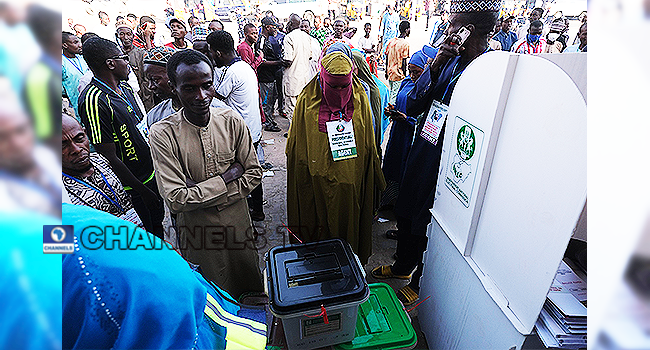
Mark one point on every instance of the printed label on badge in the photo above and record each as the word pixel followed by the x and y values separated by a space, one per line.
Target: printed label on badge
pixel 434 122
pixel 341 138
pixel 144 129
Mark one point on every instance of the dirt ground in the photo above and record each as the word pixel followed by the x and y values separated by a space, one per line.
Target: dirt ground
pixel 274 184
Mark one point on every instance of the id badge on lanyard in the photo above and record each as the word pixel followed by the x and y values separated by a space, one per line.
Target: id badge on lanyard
pixel 341 139
pixel 143 129
pixel 434 122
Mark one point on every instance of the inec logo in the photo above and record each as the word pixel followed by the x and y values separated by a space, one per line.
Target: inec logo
pixel 466 142
pixel 340 128
pixel 58 239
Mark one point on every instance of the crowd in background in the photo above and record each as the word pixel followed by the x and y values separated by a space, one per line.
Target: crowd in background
pixel 168 135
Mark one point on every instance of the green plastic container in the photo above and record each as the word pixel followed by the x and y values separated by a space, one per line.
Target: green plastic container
pixel 382 323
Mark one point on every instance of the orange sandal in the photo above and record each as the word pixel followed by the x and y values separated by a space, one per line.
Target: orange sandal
pixel 385 271
pixel 407 295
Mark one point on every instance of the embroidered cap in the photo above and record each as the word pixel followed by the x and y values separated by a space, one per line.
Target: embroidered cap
pixel 158 55
pixel 458 6
pixel 199 33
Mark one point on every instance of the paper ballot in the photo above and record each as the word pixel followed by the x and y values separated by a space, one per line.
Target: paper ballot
pixel 567 304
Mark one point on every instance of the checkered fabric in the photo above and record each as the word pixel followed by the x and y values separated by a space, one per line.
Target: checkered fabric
pixel 199 33
pixel 458 6
pixel 158 55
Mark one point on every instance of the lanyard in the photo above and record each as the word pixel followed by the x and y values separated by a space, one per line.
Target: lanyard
pixel 458 75
pixel 124 98
pixel 98 190
pixel 71 62
pixel 454 78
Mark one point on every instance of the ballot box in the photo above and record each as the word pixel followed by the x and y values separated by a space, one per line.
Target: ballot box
pixel 511 187
pixel 315 290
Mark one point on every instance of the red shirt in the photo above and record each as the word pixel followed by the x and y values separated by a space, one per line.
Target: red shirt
pixel 139 42
pixel 246 53
pixel 172 46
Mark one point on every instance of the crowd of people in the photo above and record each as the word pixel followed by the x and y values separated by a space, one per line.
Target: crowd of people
pixel 176 127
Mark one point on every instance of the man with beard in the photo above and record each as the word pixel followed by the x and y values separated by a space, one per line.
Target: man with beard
pixel 124 34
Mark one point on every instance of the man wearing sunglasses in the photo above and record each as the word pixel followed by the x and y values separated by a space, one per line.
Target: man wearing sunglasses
pixel 117 128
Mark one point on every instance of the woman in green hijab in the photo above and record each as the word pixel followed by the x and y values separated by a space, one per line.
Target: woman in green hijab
pixel 328 195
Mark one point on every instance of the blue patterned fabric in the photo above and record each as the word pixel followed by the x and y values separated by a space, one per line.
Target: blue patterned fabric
pixel 135 298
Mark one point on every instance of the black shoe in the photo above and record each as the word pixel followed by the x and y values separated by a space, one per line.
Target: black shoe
pixel 272 128
pixel 257 215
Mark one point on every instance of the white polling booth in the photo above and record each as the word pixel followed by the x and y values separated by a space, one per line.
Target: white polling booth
pixel 511 188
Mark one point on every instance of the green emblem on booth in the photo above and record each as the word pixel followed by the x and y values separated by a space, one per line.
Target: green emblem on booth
pixel 466 142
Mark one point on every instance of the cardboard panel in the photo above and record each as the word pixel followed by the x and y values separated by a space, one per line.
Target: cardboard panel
pixel 537 186
pixel 456 195
pixel 460 315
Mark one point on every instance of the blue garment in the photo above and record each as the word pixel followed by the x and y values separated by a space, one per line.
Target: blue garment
pixel 138 298
pixel 438 31
pixel 389 23
pixel 31 284
pixel 417 193
pixel 506 39
pixel 72 69
pixel 401 137
pixel 384 94
pixel 340 47
pixel 419 59
pixel 272 50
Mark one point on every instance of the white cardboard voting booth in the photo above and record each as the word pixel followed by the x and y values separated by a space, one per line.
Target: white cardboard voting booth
pixel 511 187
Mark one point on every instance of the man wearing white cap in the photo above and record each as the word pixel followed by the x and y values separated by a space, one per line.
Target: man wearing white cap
pixel 179 31
pixel 432 92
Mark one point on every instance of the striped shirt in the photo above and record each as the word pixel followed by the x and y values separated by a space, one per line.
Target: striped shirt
pixel 524 47
pixel 112 118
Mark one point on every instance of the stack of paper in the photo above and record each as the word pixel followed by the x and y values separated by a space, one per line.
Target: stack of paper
pixel 563 320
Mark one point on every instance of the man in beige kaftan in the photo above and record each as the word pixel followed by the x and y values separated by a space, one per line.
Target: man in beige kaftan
pixel 206 165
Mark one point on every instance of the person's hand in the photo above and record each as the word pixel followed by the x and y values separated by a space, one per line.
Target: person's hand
pixel 149 196
pixel 148 32
pixel 189 182
pixel 397 115
pixel 448 50
pixel 234 172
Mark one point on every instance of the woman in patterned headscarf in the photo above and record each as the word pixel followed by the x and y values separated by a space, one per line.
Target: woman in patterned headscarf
pixel 329 198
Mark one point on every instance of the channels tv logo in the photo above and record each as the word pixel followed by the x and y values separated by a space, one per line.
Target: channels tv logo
pixel 58 239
